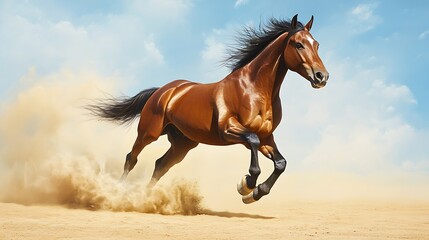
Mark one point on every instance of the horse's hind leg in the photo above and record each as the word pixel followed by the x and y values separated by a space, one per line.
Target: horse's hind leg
pixel 130 162
pixel 180 146
pixel 148 131
pixel 131 158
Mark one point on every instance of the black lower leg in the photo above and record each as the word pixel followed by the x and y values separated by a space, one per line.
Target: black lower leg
pixel 130 162
pixel 265 187
pixel 254 169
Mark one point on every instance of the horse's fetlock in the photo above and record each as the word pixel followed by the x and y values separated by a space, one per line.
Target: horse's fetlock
pixel 263 189
pixel 255 171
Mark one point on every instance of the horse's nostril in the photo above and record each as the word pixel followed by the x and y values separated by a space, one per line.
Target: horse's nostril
pixel 319 76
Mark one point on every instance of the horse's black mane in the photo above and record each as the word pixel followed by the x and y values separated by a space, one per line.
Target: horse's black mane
pixel 251 41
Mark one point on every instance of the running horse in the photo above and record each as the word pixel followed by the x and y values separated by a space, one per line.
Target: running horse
pixel 243 108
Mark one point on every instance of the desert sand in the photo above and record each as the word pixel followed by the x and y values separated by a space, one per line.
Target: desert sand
pixel 305 220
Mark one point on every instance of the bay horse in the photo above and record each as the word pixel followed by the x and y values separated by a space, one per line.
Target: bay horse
pixel 243 108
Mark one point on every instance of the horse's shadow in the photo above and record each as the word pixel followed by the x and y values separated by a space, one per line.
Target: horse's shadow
pixel 227 214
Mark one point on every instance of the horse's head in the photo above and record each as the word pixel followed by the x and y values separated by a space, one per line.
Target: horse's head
pixel 301 54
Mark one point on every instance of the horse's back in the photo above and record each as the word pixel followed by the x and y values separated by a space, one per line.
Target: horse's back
pixel 189 107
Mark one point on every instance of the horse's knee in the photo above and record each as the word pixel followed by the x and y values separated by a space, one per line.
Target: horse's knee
pixel 255 170
pixel 280 166
pixel 253 139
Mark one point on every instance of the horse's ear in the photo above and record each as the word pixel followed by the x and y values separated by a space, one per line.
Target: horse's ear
pixel 309 24
pixel 294 21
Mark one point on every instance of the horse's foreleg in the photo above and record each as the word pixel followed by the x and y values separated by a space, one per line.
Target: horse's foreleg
pixel 270 151
pixel 235 132
pixel 248 182
pixel 265 187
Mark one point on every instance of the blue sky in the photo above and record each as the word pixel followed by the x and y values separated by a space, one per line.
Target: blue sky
pixel 377 52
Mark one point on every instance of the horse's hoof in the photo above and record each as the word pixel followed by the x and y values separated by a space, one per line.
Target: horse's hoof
pixel 247 199
pixel 123 177
pixel 242 187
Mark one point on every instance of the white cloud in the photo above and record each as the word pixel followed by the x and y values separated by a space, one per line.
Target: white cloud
pixel 392 92
pixel 165 12
pixel 153 52
pixel 239 3
pixel 111 44
pixel 364 12
pixel 214 52
pixel 423 35
pixel 362 18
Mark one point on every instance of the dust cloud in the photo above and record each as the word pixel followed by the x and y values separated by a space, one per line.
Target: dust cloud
pixel 53 153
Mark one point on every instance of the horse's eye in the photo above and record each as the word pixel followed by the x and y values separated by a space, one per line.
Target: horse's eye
pixel 299 46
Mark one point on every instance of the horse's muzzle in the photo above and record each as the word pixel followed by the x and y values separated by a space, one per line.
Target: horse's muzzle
pixel 319 79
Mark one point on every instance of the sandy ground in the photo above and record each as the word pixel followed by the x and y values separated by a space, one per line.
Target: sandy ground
pixel 310 220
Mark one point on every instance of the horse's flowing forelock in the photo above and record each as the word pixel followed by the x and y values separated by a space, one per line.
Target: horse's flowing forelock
pixel 251 41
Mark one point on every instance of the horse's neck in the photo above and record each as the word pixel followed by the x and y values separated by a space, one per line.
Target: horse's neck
pixel 268 69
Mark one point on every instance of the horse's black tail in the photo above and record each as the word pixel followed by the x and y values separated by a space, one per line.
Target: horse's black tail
pixel 121 110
